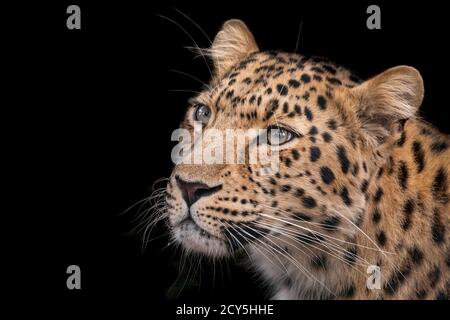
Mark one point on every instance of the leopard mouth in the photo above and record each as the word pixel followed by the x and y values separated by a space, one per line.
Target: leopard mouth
pixel 195 238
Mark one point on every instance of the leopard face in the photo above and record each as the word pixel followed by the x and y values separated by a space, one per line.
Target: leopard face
pixel 334 130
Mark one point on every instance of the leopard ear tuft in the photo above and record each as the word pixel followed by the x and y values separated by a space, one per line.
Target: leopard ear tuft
pixel 388 98
pixel 233 43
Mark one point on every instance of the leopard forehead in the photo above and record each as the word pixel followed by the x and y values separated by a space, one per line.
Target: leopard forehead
pixel 265 84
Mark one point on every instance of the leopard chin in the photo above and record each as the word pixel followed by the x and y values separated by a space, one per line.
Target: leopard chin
pixel 197 240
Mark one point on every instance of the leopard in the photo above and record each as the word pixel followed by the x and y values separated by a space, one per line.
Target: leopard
pixel 359 206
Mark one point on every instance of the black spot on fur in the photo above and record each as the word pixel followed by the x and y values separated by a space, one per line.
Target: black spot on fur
pixel 329 68
pixel 313 130
pixel 301 216
pixel 408 209
pixel 376 215
pixel 229 94
pixel 345 197
pixel 258 101
pixel 364 185
pixel 378 195
pixel 247 80
pixel 322 102
pixel 351 255
pixel 305 78
pixel 331 223
pixel 291 114
pixel 326 137
pixel 437 227
pixel 419 156
pixel 282 89
pixel 397 279
pixel 273 106
pixel 438 147
pixel 299 192
pixel 331 124
pixel 327 175
pixel 295 154
pixel 359 218
pixel 381 238
pixel 401 141
pixel 380 173
pixel 317 69
pixel 319 262
pixel 390 165
pixel 293 83
pixel 434 276
pixel 416 255
pixel 355 169
pixel 421 294
pixel 308 114
pixel 403 175
pixel 288 162
pixel 426 131
pixel 343 160
pixel 334 81
pixel 439 187
pixel 314 154
pixel 309 202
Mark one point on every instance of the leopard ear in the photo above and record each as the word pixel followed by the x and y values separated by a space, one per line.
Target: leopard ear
pixel 233 43
pixel 386 99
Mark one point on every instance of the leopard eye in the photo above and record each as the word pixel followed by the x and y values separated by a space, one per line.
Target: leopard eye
pixel 202 113
pixel 276 136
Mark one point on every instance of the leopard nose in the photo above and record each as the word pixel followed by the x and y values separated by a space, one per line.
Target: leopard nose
pixel 192 191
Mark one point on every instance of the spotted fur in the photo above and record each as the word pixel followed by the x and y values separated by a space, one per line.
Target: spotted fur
pixel 365 182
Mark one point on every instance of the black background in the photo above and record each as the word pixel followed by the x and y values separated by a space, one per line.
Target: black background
pixel 100 112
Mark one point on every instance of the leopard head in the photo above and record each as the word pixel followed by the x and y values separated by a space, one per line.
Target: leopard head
pixel 329 129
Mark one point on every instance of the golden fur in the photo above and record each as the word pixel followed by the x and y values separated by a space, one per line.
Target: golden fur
pixel 365 182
